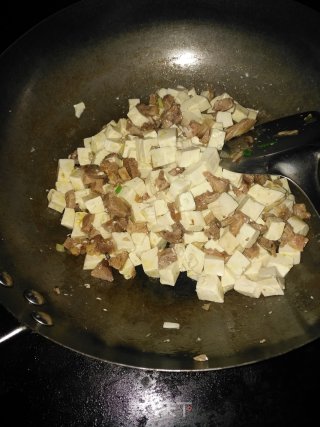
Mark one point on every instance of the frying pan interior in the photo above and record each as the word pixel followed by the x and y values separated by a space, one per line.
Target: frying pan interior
pixel 103 53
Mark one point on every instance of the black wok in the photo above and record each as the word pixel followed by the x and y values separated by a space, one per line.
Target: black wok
pixel 266 55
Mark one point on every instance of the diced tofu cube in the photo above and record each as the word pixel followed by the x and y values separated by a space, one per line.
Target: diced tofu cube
pixel 271 286
pixel 247 236
pixel 196 102
pixel 97 142
pixel 91 261
pixel 235 178
pixel 228 242
pixel 163 156
pixel 170 274
pixel 192 221
pixel 128 271
pixel 209 288
pixel 238 263
pixel 282 263
pixel 227 280
pixel 213 244
pixel 128 194
pixel 211 159
pixel 225 118
pixel 252 114
pixel 213 265
pixel 180 185
pixel 201 188
pixel 187 157
pixel 77 225
pixel 196 236
pixel 149 261
pixel 57 200
pixel 299 226
pixel 217 138
pixel 112 132
pixel 123 241
pixel 134 259
pixel 224 206
pixel 149 214
pixel 252 272
pixel 251 208
pixel 95 205
pixel 194 173
pixel 275 228
pixel 136 209
pixel 288 250
pixel 265 196
pixel 247 287
pixel 81 196
pixel 65 168
pixel 167 137
pixel 160 207
pixel 136 117
pixel 185 202
pixel 99 156
pixel 180 251
pixel 76 180
pixel 68 218
pixel 143 149
pixel 84 156
pixel 239 113
pixel 63 187
pixel 194 258
pixel 141 242
pixel 133 102
pixel 157 241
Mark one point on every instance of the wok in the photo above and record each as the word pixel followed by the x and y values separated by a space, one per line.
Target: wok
pixel 265 54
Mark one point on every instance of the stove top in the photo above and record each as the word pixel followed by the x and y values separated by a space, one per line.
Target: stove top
pixel 53 386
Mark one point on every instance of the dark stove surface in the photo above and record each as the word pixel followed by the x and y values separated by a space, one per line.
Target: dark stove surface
pixel 45 384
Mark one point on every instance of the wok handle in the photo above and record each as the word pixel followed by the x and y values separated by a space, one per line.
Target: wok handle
pixel 12 333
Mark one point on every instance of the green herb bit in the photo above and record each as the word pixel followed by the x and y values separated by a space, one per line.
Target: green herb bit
pixel 118 189
pixel 247 153
pixel 59 248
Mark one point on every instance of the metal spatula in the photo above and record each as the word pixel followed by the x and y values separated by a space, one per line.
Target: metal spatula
pixel 289 146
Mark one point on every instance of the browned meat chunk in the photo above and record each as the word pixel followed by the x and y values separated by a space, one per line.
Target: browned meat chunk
pixel 111 169
pixel 171 114
pixel 239 128
pixel 168 102
pixel 137 227
pixel 259 227
pixel 249 179
pixel 133 130
pixel 148 110
pixel 91 173
pixel 87 221
pixel 282 211
pixel 240 191
pixel 261 179
pixel 175 214
pixel 296 241
pixel 115 224
pixel 213 231
pixel 174 236
pixel 176 171
pixel 252 252
pixel 161 182
pixel 269 245
pixel 223 104
pixel 99 245
pixel 132 167
pixel 204 199
pixel 235 222
pixel 166 257
pixel 299 209
pixel 124 175
pixel 219 185
pixel 116 206
pixel 153 99
pixel 74 246
pixel 118 260
pixel 70 199
pixel 103 271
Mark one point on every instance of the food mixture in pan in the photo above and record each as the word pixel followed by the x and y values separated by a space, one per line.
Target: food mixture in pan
pixel 148 191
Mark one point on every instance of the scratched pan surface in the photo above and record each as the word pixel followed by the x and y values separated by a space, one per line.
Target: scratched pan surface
pixel 102 53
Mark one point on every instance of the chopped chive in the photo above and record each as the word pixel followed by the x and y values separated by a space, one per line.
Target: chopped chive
pixel 247 153
pixel 118 189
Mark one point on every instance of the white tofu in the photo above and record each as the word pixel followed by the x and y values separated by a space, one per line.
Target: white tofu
pixel 143 149
pixel 77 232
pixel 136 117
pixel 225 118
pixel 252 272
pixel 235 178
pixel 113 146
pixel 170 274
pixel 97 141
pixel 91 261
pixel 112 133
pixel 271 286
pixel 157 241
pixel 290 251
pixel 180 251
pixel 196 102
pixel 152 134
pixel 87 142
pixel 192 115
pixel 197 190
pixel 239 113
pixel 193 275
pixel 171 325
pixel 247 236
pixel 68 218
pixel 211 159
pixel 133 102
pixel 209 288
pixel 79 109
pixel 76 180
pixel 81 196
pixel 283 263
pixel 213 244
pixel 128 194
pixel 224 206
pixel 194 173
pixel 167 137
pixel 187 157
pixel 99 156
pixel 180 185
pixel 247 287
pixel 160 207
pixel 134 259
pixel 57 200
pixel 227 280
pixel 136 209
pixel 128 147
pixel 149 214
pixel 213 265
pixel 194 258
pixel 128 271
pixel 298 225
pixel 252 114
pixel 163 156
pixel 95 205
pixel 275 228
pixel 144 169
pixel 251 208
pixel 192 221
pixel 149 261
pixel 228 241
pixel 65 168
pixel 162 223
pixel 123 241
pixel 196 236
pixel 84 156
pixel 63 187
pixel 265 196
pixel 141 242
pixel 185 202
pixel 217 138
pixel 238 263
